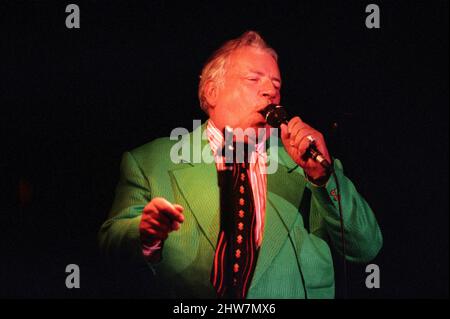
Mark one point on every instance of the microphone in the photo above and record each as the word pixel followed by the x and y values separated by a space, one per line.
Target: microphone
pixel 276 115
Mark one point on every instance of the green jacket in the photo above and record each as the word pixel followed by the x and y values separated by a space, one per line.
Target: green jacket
pixel 288 250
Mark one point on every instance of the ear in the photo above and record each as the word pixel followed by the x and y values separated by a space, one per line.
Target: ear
pixel 211 93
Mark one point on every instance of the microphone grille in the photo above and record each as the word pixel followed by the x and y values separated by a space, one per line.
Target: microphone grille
pixel 275 115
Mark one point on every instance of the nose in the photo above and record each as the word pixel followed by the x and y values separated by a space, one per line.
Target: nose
pixel 269 91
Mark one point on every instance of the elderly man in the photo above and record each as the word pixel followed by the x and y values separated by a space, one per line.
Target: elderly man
pixel 170 215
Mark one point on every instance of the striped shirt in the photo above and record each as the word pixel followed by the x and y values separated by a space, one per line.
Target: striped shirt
pixel 257 172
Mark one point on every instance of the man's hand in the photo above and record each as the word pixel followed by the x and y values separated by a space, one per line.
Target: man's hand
pixel 296 142
pixel 159 218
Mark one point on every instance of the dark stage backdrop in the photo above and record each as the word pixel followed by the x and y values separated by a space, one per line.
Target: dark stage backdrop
pixel 73 100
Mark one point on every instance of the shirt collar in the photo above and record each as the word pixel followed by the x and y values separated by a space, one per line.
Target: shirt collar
pixel 216 139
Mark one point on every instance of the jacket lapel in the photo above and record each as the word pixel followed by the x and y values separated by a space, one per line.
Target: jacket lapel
pixel 202 197
pixel 197 183
pixel 285 188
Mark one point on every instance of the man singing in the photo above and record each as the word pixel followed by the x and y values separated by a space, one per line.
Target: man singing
pixel 250 237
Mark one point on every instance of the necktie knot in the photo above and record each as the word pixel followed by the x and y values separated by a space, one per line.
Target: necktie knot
pixel 237 152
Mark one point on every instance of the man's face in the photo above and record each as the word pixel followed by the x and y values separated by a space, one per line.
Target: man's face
pixel 251 82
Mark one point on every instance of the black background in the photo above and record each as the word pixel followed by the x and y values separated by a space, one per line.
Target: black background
pixel 73 100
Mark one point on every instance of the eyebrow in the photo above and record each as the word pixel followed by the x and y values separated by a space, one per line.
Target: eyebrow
pixel 262 74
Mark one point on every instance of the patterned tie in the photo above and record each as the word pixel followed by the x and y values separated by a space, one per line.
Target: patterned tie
pixel 236 250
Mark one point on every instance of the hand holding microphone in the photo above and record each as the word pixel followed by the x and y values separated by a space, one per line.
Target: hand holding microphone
pixel 305 145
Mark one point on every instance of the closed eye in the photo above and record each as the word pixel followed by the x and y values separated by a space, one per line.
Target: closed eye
pixel 276 85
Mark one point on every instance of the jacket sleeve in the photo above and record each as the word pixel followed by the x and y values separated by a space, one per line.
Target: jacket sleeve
pixel 363 238
pixel 119 235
